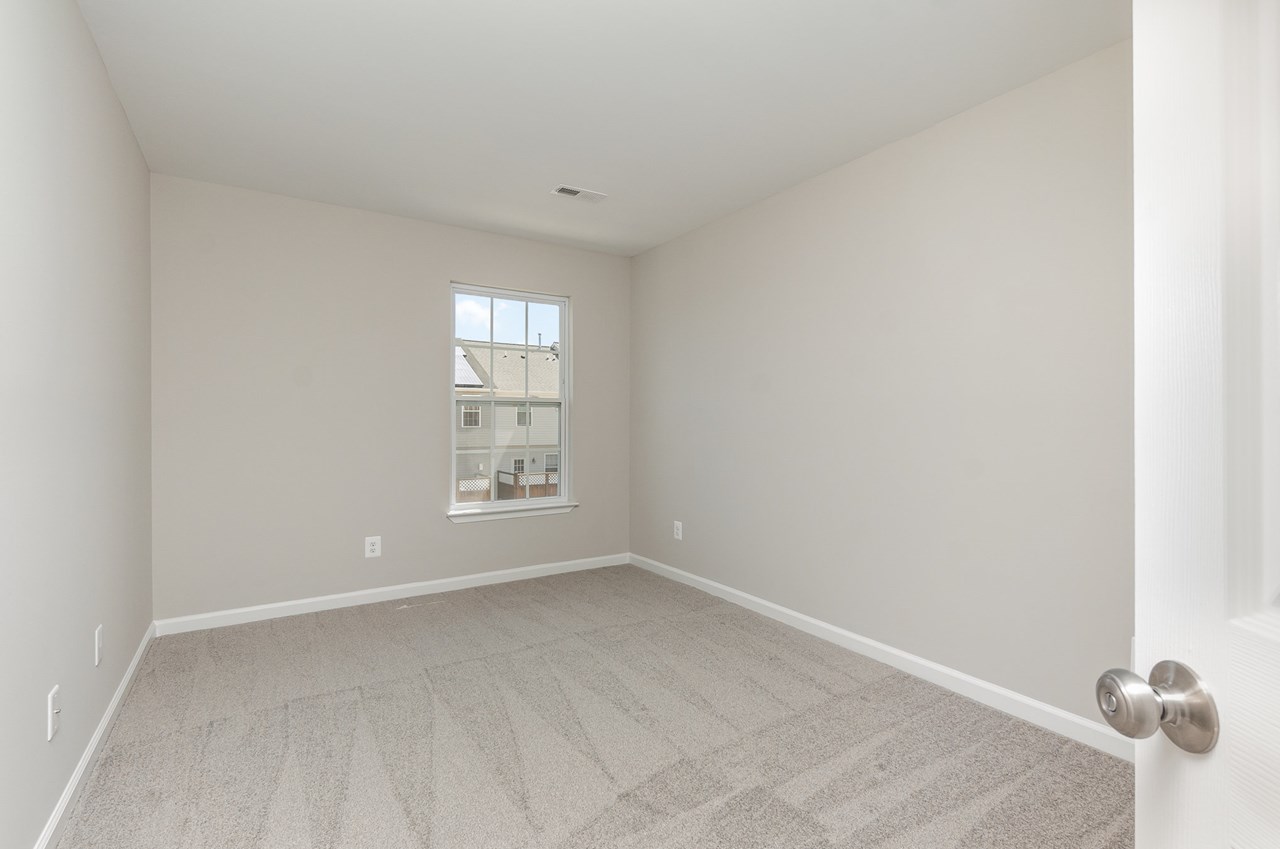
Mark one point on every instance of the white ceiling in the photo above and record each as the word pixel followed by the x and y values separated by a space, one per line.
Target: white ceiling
pixel 470 112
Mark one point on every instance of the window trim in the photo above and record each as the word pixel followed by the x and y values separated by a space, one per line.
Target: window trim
pixel 479 411
pixel 563 501
pixel 520 511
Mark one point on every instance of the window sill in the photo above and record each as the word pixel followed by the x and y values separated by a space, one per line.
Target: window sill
pixel 487 513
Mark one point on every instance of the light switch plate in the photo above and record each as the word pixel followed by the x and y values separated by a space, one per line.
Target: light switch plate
pixel 55 712
pixel 97 645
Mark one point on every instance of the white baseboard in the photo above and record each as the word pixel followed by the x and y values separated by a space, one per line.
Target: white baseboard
pixel 49 836
pixel 1046 716
pixel 256 613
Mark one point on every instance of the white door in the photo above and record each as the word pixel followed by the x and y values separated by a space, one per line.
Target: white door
pixel 1206 192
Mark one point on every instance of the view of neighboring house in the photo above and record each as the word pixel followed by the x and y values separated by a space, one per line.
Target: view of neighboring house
pixel 507 420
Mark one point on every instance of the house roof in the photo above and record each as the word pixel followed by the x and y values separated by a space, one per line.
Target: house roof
pixel 505 375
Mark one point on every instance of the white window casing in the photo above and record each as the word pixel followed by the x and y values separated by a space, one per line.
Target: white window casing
pixel 526 388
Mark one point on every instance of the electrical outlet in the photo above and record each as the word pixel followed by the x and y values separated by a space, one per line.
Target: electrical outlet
pixel 373 546
pixel 55 713
pixel 97 645
pixel 679 530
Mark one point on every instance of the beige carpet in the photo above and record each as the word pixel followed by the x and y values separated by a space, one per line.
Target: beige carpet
pixel 610 708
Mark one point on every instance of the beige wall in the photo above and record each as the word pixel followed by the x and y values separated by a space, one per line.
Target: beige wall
pixel 74 416
pixel 898 397
pixel 301 369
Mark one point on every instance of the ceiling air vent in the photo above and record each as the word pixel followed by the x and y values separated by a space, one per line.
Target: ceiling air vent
pixel 580 194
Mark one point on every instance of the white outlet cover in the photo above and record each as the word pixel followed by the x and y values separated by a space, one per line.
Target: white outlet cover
pixel 55 713
pixel 373 546
pixel 679 530
pixel 97 645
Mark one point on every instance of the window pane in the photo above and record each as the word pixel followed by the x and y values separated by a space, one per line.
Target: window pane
pixel 508 321
pixel 471 317
pixel 510 366
pixel 511 454
pixel 544 451
pixel 471 348
pixel 474 466
pixel 470 369
pixel 544 351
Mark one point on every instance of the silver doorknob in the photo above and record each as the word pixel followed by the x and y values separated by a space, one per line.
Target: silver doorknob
pixel 1173 698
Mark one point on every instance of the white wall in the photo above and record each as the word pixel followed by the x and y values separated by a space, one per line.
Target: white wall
pixel 302 363
pixel 75 542
pixel 898 397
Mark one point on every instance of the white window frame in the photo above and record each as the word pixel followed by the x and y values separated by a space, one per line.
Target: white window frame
pixel 546 465
pixel 479 411
pixel 517 465
pixel 486 510
pixel 526 414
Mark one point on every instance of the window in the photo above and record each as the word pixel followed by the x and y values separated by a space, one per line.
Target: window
pixel 510 390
